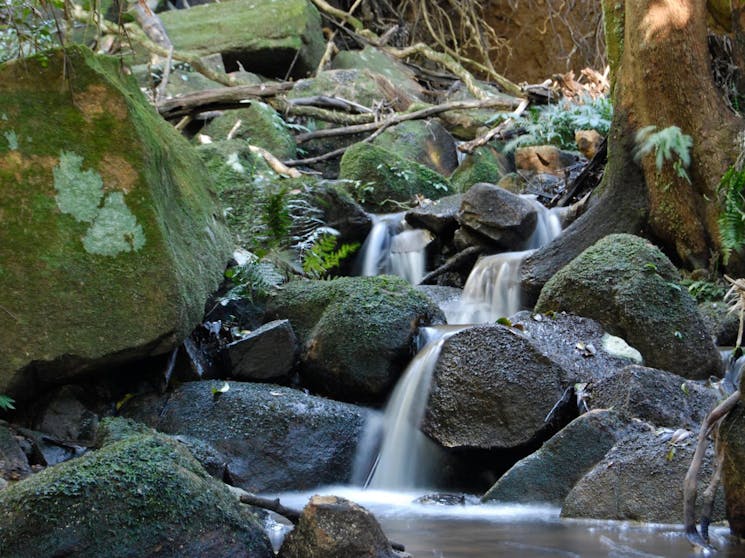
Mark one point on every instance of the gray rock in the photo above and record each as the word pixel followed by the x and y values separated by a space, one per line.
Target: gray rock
pixel 440 216
pixel 271 438
pixel 640 479
pixel 333 527
pixel 356 332
pixel 491 388
pixel 267 353
pixel 501 216
pixel 655 396
pixel 13 462
pixel 722 323
pixel 341 212
pixel 67 415
pixel 631 288
pixel 549 474
pixel 141 496
pixel 425 141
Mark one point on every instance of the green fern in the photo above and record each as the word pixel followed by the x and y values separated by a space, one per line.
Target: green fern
pixel 323 255
pixel 732 218
pixel 6 403
pixel 668 144
pixel 253 280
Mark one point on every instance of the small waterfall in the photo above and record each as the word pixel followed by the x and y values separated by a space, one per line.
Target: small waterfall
pixel 393 248
pixel 493 287
pixel 407 458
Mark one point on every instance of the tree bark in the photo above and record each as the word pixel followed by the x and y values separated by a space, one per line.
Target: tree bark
pixel 661 77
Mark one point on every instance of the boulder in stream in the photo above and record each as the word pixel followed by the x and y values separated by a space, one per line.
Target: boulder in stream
pixel 629 286
pixel 267 353
pixel 357 332
pixel 271 438
pixel 333 527
pixel 143 495
pixel 120 243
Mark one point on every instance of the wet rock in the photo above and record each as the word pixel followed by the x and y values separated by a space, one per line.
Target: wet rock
pixel 441 295
pixel 265 37
pixel 267 353
pixel 505 219
pixel 129 219
pixel 382 180
pixel 548 475
pixel 271 438
pixel 141 496
pixel 655 396
pixel 579 345
pixel 439 217
pixel 69 415
pixel 732 445
pixel 543 158
pixel 45 451
pixel 631 288
pixel 491 388
pixel 640 479
pixel 442 499
pixel 341 212
pixel 375 60
pixel 13 461
pixel 356 332
pixel 722 323
pixel 426 142
pixel 485 164
pixel 333 527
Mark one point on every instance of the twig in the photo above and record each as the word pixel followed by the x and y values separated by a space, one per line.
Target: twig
pixel 468 147
pixel 492 102
pixel 291 514
pixel 11 314
pixel 330 101
pixel 454 262
pixel 277 166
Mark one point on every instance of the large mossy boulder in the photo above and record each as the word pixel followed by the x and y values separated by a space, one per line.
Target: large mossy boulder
pixel 143 495
pixel 357 332
pixel 426 142
pixel 631 288
pixel 271 438
pixel 382 180
pixel 262 36
pixel 110 241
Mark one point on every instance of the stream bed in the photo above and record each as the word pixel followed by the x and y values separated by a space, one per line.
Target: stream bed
pixel 488 531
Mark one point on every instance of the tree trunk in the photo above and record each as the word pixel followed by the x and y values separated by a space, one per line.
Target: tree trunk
pixel 660 64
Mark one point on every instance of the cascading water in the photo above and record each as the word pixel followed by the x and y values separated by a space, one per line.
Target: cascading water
pixel 493 287
pixel 391 247
pixel 406 458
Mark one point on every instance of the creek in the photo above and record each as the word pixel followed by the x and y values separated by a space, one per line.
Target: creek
pixel 396 464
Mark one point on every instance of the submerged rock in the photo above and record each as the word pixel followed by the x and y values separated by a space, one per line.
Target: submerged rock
pixel 120 244
pixel 333 527
pixel 632 289
pixel 144 495
pixel 271 438
pixel 357 332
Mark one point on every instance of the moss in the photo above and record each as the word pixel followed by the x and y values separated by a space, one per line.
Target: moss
pixel 375 60
pixel 140 496
pixel 97 125
pixel 385 180
pixel 260 125
pixel 483 165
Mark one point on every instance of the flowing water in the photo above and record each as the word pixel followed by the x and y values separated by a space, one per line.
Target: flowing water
pixel 393 248
pixel 489 531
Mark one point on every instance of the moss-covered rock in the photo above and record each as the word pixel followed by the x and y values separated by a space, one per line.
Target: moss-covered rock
pixel 260 125
pixel 266 37
pixel 110 241
pixel 426 142
pixel 485 164
pixel 143 495
pixel 381 180
pixel 632 289
pixel 357 332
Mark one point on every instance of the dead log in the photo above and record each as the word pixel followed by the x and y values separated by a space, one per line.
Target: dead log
pixel 461 259
pixel 291 514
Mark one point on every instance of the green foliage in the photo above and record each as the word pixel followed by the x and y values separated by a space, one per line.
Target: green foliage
pixel 668 144
pixel 705 291
pixel 253 279
pixel 322 256
pixel 556 124
pixel 27 28
pixel 6 403
pixel 732 218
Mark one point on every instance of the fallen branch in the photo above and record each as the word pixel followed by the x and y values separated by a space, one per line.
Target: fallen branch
pixel 291 514
pixel 402 117
pixel 457 261
pixel 277 166
pixel 330 101
pixel 496 132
